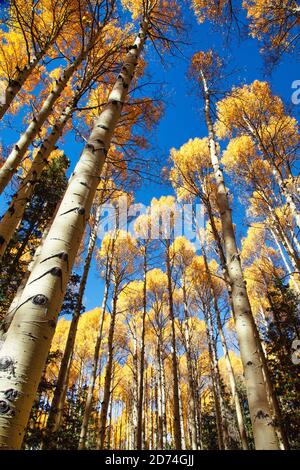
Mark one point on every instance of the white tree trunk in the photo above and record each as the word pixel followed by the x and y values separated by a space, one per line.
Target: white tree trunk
pixel 263 427
pixel 285 262
pixel 25 350
pixel 95 365
pixel 14 159
pixel 15 85
pixel 16 300
pixel 14 214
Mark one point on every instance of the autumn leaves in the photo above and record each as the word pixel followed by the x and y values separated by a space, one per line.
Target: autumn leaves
pixel 171 309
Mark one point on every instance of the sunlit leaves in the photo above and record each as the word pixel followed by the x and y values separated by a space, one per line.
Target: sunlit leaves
pixel 274 22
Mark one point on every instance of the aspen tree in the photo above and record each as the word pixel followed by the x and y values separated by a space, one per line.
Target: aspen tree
pixel 254 111
pixel 275 23
pixel 131 302
pixel 156 299
pixel 202 288
pixel 57 405
pixel 183 252
pixel 124 251
pixel 13 307
pixel 39 211
pixel 263 428
pixel 232 380
pixel 165 208
pixel 95 365
pixel 30 21
pixel 14 214
pixel 94 70
pixel 252 173
pixel 15 157
pixel 142 229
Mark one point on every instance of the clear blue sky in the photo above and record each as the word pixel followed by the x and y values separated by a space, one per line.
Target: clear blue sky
pixel 183 118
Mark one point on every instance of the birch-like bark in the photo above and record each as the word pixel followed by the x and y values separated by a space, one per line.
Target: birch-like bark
pixel 139 435
pixel 285 262
pixel 176 405
pixel 159 399
pixel 110 415
pixel 275 408
pixel 289 197
pixel 215 390
pixel 183 440
pixel 14 214
pixel 108 371
pixel 292 253
pixel 163 403
pixel 153 416
pixel 230 371
pixel 273 400
pixel 15 85
pixel 187 341
pixel 146 414
pixel 198 398
pixel 16 300
pixel 58 402
pixel 35 320
pixel 14 159
pixel 135 391
pixel 263 427
pixel 95 364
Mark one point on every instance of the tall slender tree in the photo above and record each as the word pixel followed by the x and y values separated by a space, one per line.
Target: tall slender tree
pixel 205 66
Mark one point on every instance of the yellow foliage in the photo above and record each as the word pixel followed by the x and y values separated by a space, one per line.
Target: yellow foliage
pixel 236 365
pixel 254 110
pixel 124 251
pixel 84 344
pixel 274 21
pixel 254 242
pixel 182 251
pixel 157 280
pixel 162 13
pixel 142 226
pixel 190 173
pixel 132 297
pixel 209 9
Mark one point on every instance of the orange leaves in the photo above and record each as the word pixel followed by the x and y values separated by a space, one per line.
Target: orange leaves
pixel 242 160
pixel 12 54
pixel 206 65
pixel 151 8
pixel 163 16
pixel 13 59
pixel 254 111
pixel 191 166
pixel 132 296
pixel 182 251
pixel 248 108
pixel 274 22
pixel 157 281
pixel 253 243
pixel 209 9
pixel 125 252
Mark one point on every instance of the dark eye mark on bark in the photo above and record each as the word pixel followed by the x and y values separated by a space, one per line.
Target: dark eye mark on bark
pixel 7 364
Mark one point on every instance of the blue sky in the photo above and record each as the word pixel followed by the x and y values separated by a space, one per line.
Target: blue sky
pixel 183 118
